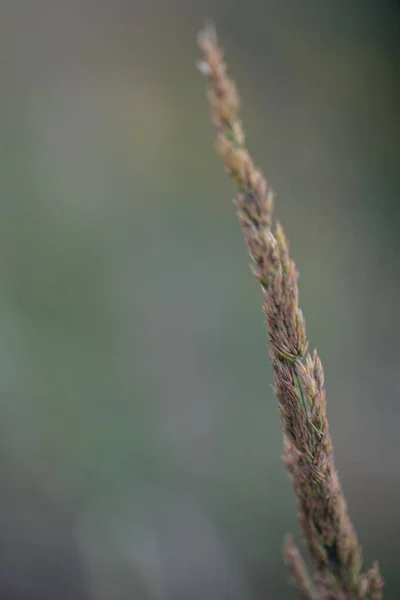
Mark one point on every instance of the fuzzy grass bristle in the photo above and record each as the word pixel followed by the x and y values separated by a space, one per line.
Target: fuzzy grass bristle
pixel 329 536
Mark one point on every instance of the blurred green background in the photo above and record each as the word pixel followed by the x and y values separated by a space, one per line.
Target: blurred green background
pixel 140 441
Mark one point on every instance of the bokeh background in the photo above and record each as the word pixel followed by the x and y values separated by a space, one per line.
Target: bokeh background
pixel 140 448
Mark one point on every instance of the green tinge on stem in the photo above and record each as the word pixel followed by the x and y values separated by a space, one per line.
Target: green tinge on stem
pixel 301 397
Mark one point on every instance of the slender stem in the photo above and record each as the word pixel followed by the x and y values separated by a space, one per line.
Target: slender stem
pixel 328 533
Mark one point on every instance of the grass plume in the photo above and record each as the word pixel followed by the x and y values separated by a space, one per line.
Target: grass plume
pixel 329 536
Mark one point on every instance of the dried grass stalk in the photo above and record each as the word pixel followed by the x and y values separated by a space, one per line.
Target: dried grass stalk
pixel 329 536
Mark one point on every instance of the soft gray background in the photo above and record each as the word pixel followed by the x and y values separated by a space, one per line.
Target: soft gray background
pixel 140 441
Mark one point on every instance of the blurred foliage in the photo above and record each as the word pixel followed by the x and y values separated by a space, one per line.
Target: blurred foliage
pixel 140 442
